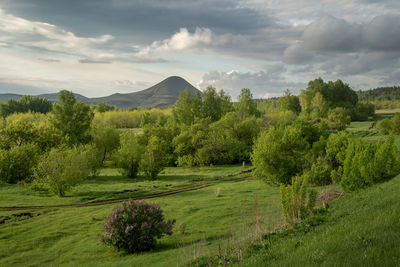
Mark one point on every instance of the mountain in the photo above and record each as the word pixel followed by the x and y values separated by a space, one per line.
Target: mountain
pixel 52 97
pixel 164 93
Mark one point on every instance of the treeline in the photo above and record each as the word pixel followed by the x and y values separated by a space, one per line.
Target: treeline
pixel 287 140
pixel 382 97
pixel 25 104
pixel 380 94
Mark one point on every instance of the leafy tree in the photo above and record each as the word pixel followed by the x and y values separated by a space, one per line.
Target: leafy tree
pixel 103 107
pixel 25 104
pixel 17 163
pixel 280 153
pixel 187 108
pixel 366 164
pixel 61 169
pixel 319 174
pixel 215 105
pixel 130 153
pixel 153 161
pixel 338 119
pixel 246 106
pixel 105 139
pixel 385 126
pixel 289 102
pixel 73 119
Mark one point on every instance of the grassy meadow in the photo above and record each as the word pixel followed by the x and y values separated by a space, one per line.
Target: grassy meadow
pixel 230 209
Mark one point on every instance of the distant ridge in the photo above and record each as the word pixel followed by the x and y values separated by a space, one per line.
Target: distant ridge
pixel 52 97
pixel 164 93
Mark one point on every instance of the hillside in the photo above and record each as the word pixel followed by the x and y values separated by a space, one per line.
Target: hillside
pixel 164 93
pixel 359 230
pixel 52 97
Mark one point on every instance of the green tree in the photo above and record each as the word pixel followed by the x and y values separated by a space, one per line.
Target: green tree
pixel 246 106
pixel 73 119
pixel 153 161
pixel 338 119
pixel 215 105
pixel 17 163
pixel 187 108
pixel 105 139
pixel 289 102
pixel 61 169
pixel 280 153
pixel 129 155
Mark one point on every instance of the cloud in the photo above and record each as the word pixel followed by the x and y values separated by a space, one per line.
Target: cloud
pixel 45 37
pixel 266 83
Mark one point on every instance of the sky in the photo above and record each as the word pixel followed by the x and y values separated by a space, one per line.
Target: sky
pixel 100 47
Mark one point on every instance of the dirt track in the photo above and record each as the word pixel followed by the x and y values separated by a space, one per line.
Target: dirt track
pixel 107 201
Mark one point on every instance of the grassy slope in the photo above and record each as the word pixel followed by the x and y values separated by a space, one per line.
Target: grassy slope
pixel 361 230
pixel 68 236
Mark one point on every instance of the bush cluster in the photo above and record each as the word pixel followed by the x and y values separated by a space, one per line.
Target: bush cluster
pixel 134 226
pixel 297 200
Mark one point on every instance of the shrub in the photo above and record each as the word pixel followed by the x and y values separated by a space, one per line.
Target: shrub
pixel 280 153
pixel 60 169
pixel 134 226
pixel 297 200
pixel 366 164
pixel 129 154
pixel 320 173
pixel 385 126
pixel 153 161
pixel 17 163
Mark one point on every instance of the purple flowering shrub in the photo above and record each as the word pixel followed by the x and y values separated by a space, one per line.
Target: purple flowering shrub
pixel 134 226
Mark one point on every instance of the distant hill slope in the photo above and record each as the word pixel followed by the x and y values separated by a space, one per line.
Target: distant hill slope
pixel 52 97
pixel 379 94
pixel 164 93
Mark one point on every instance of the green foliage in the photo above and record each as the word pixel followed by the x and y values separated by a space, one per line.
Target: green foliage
pixel 319 174
pixel 25 104
pixel 73 119
pixel 134 226
pixel 129 154
pixel 215 105
pixel 280 153
pixel 319 97
pixel 94 157
pixel 289 102
pixel 366 164
pixel 60 169
pixel 338 119
pixel 363 112
pixel 153 160
pixel 336 148
pixel 297 200
pixel 105 139
pixel 385 126
pixel 246 105
pixel 17 163
pixel 187 108
pixel 103 107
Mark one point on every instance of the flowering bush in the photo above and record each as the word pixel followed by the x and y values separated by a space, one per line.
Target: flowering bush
pixel 134 226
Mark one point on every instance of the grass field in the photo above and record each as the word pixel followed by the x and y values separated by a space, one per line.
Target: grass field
pixel 67 236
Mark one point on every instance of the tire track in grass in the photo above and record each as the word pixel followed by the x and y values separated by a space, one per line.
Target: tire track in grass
pixel 108 201
pixel 115 200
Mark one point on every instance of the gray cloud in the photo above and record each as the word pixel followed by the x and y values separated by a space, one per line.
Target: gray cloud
pixel 263 84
